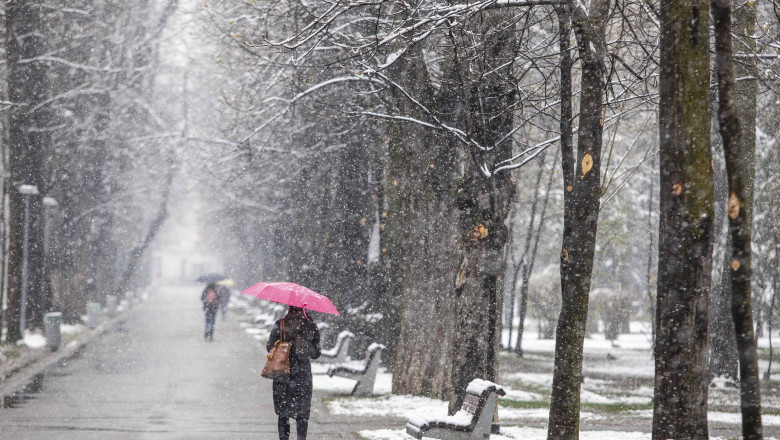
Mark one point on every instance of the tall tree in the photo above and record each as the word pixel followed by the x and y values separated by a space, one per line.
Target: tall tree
pixel 484 199
pixel 737 118
pixel 685 226
pixel 582 193
pixel 420 178
pixel 29 137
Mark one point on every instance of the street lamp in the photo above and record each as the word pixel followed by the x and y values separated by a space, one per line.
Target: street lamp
pixel 48 202
pixel 26 191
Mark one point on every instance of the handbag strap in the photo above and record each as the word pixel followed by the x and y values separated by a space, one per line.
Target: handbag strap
pixel 283 330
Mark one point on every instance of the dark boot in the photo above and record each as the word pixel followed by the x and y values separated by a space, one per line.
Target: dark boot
pixel 301 426
pixel 284 428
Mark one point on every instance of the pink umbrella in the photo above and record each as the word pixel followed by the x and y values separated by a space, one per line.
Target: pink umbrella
pixel 293 295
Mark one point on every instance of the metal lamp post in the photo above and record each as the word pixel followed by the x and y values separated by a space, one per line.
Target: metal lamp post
pixel 48 202
pixel 26 191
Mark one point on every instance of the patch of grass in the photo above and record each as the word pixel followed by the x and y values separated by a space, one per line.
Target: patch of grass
pixel 10 351
pixel 770 411
pixel 524 404
pixel 532 387
pixel 610 408
pixel 617 407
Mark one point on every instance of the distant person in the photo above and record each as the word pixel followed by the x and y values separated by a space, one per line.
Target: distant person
pixel 292 394
pixel 210 300
pixel 224 298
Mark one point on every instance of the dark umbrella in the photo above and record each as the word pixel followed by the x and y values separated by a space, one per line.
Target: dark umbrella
pixel 211 278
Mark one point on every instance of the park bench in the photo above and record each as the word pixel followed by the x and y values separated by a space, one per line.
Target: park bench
pixel 473 421
pixel 365 375
pixel 340 352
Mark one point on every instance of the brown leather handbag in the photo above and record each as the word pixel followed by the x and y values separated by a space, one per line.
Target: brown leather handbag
pixel 278 363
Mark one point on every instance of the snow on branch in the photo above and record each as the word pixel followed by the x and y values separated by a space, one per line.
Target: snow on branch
pixel 63 61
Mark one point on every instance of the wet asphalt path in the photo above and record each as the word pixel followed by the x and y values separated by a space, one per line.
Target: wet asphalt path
pixel 156 377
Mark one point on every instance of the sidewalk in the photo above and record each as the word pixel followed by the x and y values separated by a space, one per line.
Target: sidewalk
pixel 323 424
pixel 32 361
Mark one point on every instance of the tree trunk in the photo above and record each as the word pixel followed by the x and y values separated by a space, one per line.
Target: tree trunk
pixel 685 224
pixel 29 140
pixel 134 258
pixel 582 191
pixel 484 203
pixel 737 117
pixel 353 221
pixel 419 238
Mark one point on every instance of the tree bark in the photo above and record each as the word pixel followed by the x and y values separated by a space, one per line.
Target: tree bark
pixel 419 238
pixel 582 191
pixel 484 203
pixel 737 127
pixel 685 224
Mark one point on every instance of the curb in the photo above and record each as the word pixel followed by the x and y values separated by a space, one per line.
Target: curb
pixel 19 376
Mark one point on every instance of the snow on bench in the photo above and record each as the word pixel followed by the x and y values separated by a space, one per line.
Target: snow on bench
pixel 365 375
pixel 340 352
pixel 472 421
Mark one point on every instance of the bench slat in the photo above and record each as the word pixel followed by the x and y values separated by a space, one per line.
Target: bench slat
pixel 471 409
pixel 473 399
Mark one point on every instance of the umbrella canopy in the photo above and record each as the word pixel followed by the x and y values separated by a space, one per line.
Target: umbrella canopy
pixel 293 295
pixel 226 282
pixel 211 278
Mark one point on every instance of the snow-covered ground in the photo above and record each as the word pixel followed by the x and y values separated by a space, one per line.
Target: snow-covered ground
pixel 617 386
pixel 525 433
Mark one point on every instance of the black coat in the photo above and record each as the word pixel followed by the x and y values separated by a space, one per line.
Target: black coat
pixel 210 306
pixel 292 394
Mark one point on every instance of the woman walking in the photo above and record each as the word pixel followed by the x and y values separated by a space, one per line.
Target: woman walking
pixel 292 393
pixel 210 300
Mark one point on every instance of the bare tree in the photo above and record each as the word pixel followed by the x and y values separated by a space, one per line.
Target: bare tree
pixel 737 120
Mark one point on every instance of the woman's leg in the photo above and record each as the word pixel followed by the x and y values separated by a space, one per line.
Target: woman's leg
pixel 301 426
pixel 284 428
pixel 211 316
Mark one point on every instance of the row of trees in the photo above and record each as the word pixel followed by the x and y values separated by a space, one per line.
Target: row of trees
pixel 80 125
pixel 380 149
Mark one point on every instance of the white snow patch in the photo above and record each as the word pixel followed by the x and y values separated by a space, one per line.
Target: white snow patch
pixel 538 413
pixel 526 433
pixel 724 383
pixel 532 378
pixel 342 385
pixel 521 395
pixel 254 331
pixel 384 406
pixel 729 418
pixel 516 432
pixel 385 434
pixel 68 329
pixel 33 340
pixel 591 397
pixel 643 391
pixel 736 418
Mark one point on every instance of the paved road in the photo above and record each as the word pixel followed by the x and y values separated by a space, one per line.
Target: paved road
pixel 156 378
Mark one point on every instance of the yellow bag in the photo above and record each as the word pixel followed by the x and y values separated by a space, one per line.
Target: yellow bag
pixel 278 363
